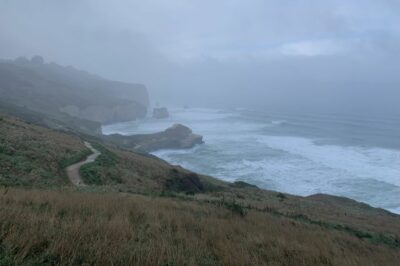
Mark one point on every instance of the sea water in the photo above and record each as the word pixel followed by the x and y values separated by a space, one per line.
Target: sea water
pixel 303 154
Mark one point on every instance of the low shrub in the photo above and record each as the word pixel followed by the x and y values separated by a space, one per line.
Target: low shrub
pixel 235 208
pixel 188 183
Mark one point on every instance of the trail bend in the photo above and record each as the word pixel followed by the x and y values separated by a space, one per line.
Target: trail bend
pixel 73 170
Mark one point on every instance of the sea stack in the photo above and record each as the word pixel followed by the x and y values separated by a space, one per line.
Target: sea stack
pixel 160 113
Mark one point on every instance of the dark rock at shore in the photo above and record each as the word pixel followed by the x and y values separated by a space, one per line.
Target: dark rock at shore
pixel 179 181
pixel 176 137
pixel 160 113
pixel 242 184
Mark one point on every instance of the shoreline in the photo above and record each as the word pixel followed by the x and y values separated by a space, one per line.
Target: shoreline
pixel 265 172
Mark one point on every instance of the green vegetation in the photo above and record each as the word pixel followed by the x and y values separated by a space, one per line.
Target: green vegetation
pixel 107 158
pixel 92 173
pixel 5 256
pixel 281 196
pixel 77 157
pixel 184 182
pixel 235 208
pixel 36 156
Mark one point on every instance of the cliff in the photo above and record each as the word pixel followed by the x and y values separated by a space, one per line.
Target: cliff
pixel 32 83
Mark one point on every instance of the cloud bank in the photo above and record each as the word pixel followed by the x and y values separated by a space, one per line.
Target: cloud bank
pixel 300 54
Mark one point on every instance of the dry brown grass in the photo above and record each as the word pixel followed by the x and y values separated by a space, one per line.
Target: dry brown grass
pixel 325 208
pixel 72 228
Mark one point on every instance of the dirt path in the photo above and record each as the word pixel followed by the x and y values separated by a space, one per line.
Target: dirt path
pixel 73 170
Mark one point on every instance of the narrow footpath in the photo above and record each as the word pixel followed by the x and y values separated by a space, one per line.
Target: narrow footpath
pixel 73 170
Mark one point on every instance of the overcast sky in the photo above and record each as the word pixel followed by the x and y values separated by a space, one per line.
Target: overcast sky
pixel 330 55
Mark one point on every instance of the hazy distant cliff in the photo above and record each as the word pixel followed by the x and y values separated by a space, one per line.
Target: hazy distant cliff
pixel 53 89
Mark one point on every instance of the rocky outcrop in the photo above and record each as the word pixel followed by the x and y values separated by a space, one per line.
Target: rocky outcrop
pixel 160 113
pixel 176 137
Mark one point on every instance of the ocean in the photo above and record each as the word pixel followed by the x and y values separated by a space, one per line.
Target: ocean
pixel 346 155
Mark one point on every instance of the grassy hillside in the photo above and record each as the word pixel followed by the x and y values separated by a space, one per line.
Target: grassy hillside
pixel 140 210
pixel 32 155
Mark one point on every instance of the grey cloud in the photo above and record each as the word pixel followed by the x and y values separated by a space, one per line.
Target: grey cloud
pixel 278 54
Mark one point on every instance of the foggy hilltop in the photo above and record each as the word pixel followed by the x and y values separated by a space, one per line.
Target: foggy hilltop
pixel 59 91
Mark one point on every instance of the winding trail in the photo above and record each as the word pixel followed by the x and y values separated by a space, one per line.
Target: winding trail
pixel 73 170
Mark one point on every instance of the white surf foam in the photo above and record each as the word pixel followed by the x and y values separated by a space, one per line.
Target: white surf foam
pixel 239 149
pixel 364 163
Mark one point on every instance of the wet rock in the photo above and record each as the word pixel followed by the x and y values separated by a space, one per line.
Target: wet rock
pixel 176 137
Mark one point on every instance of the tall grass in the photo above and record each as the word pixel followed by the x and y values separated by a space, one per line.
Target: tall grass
pixel 72 228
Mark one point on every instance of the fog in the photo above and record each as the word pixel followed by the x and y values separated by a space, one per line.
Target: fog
pixel 325 56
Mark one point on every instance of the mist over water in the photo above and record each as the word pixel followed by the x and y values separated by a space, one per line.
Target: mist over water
pixel 302 154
